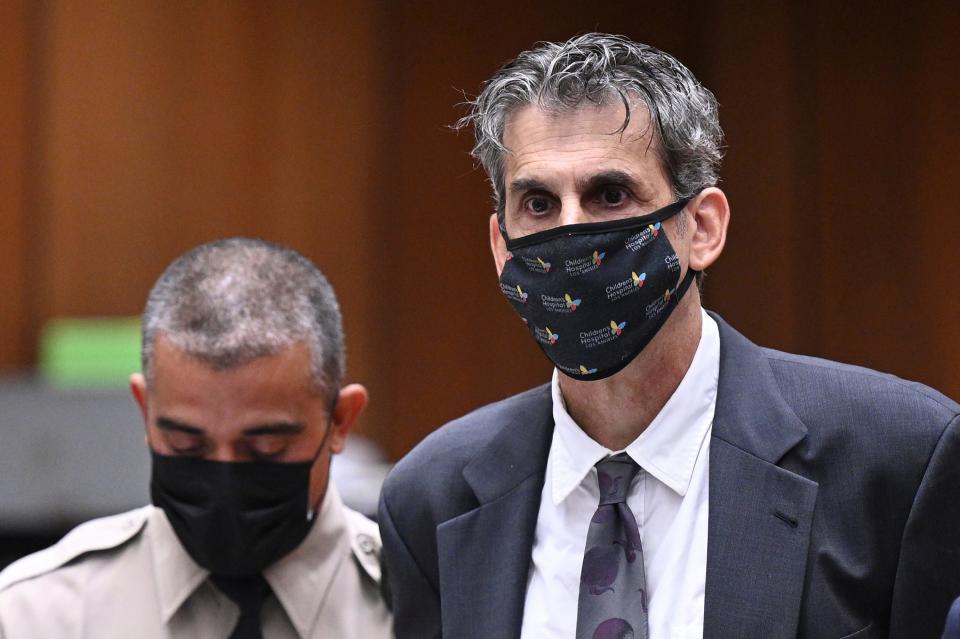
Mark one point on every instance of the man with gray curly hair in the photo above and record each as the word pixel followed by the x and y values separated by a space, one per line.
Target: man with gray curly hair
pixel 673 479
pixel 244 406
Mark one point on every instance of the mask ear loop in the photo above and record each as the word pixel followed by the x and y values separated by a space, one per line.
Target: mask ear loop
pixel 312 511
pixel 330 411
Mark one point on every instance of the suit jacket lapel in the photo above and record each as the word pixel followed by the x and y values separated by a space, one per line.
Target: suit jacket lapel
pixel 484 554
pixel 760 514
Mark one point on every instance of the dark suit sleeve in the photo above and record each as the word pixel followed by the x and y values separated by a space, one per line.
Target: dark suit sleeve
pixel 415 601
pixel 928 570
pixel 952 631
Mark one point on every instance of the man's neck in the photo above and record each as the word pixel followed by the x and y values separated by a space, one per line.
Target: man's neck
pixel 616 410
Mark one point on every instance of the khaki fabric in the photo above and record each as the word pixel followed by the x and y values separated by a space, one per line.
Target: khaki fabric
pixel 129 576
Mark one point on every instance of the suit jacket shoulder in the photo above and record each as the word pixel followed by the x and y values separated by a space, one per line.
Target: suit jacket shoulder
pixel 884 428
pixel 952 630
pixel 834 385
pixel 457 483
pixel 428 481
pixel 862 467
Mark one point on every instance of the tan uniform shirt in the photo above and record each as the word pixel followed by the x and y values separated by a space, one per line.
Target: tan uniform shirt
pixel 129 576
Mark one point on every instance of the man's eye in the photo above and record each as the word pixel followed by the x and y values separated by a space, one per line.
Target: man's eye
pixel 197 450
pixel 185 444
pixel 613 195
pixel 268 446
pixel 538 205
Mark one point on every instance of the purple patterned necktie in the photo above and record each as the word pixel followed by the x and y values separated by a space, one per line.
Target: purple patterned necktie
pixel 613 587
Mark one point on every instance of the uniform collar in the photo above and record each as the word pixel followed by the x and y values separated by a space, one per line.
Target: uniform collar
pixel 669 447
pixel 177 575
pixel 300 580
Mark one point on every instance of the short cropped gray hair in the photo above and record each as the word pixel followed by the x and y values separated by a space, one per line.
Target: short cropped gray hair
pixel 599 68
pixel 232 301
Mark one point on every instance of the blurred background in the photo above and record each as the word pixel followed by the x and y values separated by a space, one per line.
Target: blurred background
pixel 133 130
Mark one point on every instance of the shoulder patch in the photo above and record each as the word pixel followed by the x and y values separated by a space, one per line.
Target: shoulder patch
pixel 95 535
pixel 365 542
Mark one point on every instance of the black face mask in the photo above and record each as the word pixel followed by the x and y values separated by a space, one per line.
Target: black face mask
pixel 594 295
pixel 234 518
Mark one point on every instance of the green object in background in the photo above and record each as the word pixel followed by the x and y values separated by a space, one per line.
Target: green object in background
pixel 90 351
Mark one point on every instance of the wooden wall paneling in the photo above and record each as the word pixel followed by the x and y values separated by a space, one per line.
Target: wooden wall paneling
pixel 840 140
pixel 867 156
pixel 808 211
pixel 13 135
pixel 322 171
pixel 99 146
pixel 150 144
pixel 167 125
pixel 932 209
pixel 743 54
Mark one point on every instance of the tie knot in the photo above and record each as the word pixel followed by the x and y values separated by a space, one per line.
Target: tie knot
pixel 614 474
pixel 248 592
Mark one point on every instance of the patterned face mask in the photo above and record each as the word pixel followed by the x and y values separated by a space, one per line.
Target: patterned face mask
pixel 594 295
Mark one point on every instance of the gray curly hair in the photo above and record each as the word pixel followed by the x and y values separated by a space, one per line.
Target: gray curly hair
pixel 600 68
pixel 229 302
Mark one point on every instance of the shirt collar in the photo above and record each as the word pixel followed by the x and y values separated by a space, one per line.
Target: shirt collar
pixel 177 574
pixel 300 580
pixel 668 448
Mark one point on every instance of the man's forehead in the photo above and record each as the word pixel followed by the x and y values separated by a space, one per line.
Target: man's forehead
pixel 544 144
pixel 269 389
pixel 171 358
pixel 588 138
pixel 534 127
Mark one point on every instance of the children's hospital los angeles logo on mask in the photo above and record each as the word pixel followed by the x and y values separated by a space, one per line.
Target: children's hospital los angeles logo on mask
pixel 594 295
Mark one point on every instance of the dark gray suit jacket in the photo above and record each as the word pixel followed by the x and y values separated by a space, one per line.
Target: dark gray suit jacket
pixel 834 507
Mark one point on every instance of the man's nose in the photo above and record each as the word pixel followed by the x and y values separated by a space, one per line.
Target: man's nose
pixel 571 211
pixel 225 453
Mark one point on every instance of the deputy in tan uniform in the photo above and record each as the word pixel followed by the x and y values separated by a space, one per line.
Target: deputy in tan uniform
pixel 244 406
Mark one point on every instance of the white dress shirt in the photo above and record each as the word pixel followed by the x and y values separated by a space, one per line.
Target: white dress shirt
pixel 668 498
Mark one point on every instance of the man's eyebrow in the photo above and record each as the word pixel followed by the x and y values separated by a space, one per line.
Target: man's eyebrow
pixel 613 176
pixel 527 184
pixel 171 424
pixel 589 183
pixel 279 428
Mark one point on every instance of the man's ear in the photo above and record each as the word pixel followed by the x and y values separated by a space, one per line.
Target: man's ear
pixel 138 388
pixel 350 404
pixel 497 244
pixel 711 217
